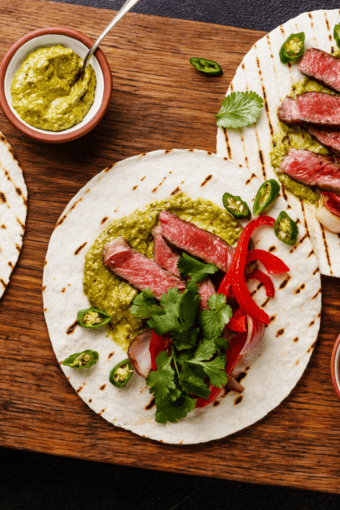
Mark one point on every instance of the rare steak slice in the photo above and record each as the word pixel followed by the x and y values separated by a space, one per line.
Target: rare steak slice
pixel 163 255
pixel 196 241
pixel 137 269
pixel 312 169
pixel 166 258
pixel 321 66
pixel 316 108
pixel 328 137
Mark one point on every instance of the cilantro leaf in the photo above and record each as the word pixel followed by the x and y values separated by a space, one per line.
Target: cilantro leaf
pixel 179 316
pixel 197 270
pixel 205 350
pixel 220 342
pixel 189 303
pixel 173 411
pixel 214 369
pixel 145 305
pixel 162 380
pixel 239 109
pixel 190 383
pixel 213 320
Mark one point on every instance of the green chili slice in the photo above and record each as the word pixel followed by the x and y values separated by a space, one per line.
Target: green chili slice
pixel 286 229
pixel 93 318
pixel 236 206
pixel 121 373
pixel 80 360
pixel 206 66
pixel 292 48
pixel 336 34
pixel 266 196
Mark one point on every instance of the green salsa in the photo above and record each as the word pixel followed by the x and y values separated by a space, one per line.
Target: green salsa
pixel 298 138
pixel 46 91
pixel 108 292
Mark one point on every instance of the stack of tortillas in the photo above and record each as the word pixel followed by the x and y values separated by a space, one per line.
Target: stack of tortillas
pixel 13 209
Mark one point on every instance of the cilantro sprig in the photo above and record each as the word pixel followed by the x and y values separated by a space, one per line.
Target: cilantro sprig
pixel 196 359
pixel 239 109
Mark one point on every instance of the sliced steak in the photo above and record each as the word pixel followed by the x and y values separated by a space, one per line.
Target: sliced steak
pixel 317 108
pixel 137 269
pixel 196 241
pixel 327 137
pixel 322 67
pixel 312 169
pixel 166 258
pixel 163 255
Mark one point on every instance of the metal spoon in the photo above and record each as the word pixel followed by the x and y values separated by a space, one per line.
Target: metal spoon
pixel 126 7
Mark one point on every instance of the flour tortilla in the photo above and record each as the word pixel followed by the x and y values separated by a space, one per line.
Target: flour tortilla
pixel 13 209
pixel 262 71
pixel 274 367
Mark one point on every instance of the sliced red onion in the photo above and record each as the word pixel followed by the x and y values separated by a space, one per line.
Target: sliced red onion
pixel 139 353
pixel 254 335
pixel 328 214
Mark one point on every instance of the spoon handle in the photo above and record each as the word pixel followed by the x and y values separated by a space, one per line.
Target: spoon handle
pixel 123 10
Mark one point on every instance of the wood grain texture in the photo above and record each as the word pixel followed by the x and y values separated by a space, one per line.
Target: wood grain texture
pixel 158 102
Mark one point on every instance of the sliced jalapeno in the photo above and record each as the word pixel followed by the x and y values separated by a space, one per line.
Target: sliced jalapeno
pixel 80 360
pixel 206 66
pixel 336 34
pixel 121 373
pixel 286 229
pixel 93 318
pixel 236 206
pixel 292 48
pixel 266 196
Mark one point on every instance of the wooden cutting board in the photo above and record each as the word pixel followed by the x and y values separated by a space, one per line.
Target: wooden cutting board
pixel 159 102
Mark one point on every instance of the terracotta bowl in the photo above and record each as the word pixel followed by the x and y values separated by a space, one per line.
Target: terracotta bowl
pixel 335 366
pixel 79 43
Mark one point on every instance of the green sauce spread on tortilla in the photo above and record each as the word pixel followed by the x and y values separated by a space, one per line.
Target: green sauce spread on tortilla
pixel 46 92
pixel 108 292
pixel 297 137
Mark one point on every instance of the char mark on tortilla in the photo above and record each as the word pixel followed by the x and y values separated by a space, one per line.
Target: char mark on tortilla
pixel 322 67
pixel 168 259
pixel 329 138
pixel 317 108
pixel 197 242
pixel 312 169
pixel 137 269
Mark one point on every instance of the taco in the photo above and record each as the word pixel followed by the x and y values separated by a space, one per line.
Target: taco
pixel 126 201
pixel 13 209
pixel 291 142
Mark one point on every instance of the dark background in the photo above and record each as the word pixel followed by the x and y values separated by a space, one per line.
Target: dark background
pixel 39 482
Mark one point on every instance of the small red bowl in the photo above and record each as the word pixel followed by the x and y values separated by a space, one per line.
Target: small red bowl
pixel 80 44
pixel 335 366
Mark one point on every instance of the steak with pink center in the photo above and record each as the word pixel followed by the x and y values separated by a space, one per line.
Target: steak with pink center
pixel 316 108
pixel 197 242
pixel 137 269
pixel 312 169
pixel 321 66
pixel 166 258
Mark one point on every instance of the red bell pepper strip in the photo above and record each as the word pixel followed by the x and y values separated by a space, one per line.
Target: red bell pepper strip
pixel 158 343
pixel 238 322
pixel 263 278
pixel 233 353
pixel 225 286
pixel 237 278
pixel 271 262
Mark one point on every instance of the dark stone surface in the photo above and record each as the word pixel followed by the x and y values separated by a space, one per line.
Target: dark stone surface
pixel 39 482
pixel 256 14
